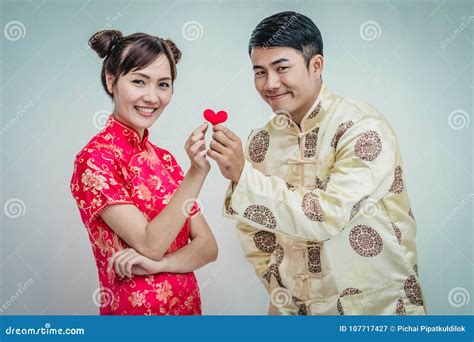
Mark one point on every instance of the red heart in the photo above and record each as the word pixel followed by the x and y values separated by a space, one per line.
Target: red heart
pixel 215 118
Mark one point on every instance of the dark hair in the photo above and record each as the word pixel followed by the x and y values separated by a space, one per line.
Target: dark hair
pixel 288 29
pixel 133 52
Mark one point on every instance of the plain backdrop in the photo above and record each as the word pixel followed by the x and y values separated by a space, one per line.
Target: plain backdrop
pixel 412 60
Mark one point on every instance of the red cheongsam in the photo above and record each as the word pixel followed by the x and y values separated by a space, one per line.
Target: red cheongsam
pixel 117 167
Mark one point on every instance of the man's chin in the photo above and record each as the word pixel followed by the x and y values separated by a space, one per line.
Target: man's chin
pixel 280 111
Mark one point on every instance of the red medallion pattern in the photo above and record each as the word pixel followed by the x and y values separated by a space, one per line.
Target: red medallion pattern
pixel 322 184
pixel 310 143
pixel 365 241
pixel 265 241
pixel 261 215
pixel 279 254
pixel 400 309
pixel 413 291
pixel 314 256
pixel 340 132
pixel 311 207
pixel 273 270
pixel 397 185
pixel 368 146
pixel 315 112
pixel 258 146
pixel 357 206
pixel 398 233
pixel 347 292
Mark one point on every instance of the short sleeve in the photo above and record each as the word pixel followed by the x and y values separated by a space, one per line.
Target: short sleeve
pixel 97 183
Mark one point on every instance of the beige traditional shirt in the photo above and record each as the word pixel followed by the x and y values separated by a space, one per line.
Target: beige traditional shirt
pixel 324 216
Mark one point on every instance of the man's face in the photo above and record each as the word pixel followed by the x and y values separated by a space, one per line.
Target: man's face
pixel 283 80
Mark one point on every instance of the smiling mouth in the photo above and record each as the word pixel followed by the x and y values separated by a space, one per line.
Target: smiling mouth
pixel 147 111
pixel 276 97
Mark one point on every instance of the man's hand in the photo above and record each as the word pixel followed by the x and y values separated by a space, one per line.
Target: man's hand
pixel 226 150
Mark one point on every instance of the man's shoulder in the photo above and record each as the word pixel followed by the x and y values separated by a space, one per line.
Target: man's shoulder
pixel 346 109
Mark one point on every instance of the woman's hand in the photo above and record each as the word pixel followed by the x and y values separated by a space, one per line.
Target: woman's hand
pixel 129 262
pixel 196 149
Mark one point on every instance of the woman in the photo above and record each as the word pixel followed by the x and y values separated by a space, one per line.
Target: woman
pixel 137 205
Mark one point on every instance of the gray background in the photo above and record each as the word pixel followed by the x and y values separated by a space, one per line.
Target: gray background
pixel 413 61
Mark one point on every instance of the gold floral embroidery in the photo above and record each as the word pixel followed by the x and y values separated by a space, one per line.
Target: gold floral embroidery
pixel 117 167
pixel 163 291
pixel 93 182
pixel 137 298
pixel 143 192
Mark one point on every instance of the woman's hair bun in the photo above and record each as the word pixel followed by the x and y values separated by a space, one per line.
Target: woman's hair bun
pixel 174 50
pixel 103 41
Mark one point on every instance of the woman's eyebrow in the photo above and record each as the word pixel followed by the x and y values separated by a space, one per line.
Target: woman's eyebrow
pixel 142 75
pixel 148 77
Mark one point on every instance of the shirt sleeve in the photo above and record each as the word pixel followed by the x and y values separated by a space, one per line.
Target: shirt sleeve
pixel 97 182
pixel 257 247
pixel 364 165
pixel 171 164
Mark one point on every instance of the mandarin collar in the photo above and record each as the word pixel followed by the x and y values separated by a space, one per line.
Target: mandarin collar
pixel 315 114
pixel 311 119
pixel 129 134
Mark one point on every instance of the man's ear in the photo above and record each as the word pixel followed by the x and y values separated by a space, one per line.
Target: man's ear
pixel 109 79
pixel 316 65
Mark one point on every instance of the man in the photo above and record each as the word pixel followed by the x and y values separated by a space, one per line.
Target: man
pixel 320 198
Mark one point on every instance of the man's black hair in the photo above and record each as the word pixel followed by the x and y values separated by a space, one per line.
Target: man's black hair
pixel 288 29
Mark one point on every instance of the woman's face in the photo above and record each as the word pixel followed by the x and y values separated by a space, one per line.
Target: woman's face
pixel 141 95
